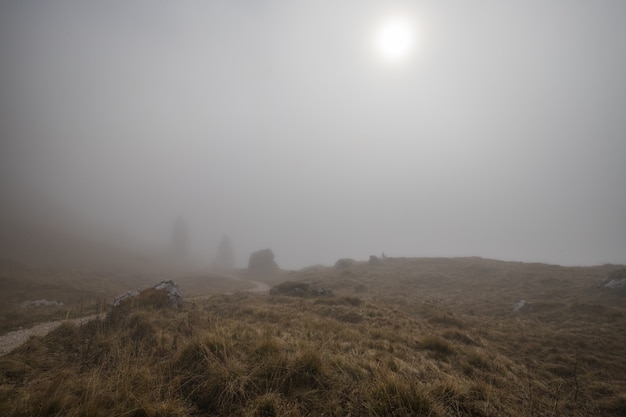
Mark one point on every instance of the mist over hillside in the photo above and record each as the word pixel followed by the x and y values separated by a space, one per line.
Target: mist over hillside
pixel 321 130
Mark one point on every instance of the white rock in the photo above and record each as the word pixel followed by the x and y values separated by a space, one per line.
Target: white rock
pixel 518 306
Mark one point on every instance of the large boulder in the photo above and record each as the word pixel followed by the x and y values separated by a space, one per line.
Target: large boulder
pixel 261 263
pixel 170 288
pixel 616 280
pixel 174 295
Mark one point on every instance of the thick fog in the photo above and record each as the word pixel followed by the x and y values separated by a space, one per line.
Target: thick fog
pixel 501 133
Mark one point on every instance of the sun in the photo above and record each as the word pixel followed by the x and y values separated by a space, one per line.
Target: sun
pixel 395 38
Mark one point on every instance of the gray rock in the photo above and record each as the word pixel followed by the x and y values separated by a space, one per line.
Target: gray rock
pixel 616 280
pixel 40 303
pixel 173 293
pixel 519 305
pixel 323 292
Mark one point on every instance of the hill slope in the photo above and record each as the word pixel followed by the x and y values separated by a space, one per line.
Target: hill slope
pixel 435 337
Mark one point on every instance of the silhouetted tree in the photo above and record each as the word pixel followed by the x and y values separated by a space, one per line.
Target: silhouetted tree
pixel 179 239
pixel 225 259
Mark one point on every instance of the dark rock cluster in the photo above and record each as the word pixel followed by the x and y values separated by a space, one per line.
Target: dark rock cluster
pixel 300 289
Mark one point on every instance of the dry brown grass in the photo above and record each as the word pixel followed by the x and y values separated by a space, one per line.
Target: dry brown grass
pixel 394 342
pixel 85 292
pixel 81 294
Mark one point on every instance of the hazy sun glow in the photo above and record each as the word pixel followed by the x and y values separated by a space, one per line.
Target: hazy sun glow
pixel 395 38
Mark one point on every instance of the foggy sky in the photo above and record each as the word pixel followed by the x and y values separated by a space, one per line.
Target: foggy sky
pixel 276 123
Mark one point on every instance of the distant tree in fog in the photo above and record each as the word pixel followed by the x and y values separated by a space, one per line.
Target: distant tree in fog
pixel 179 239
pixel 225 259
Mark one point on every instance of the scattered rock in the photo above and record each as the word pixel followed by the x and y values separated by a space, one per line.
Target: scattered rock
pixel 374 260
pixel 300 289
pixel 170 287
pixel 40 303
pixel 323 292
pixel 616 280
pixel 344 263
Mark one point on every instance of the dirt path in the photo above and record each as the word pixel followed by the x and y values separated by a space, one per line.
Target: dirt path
pixel 259 287
pixel 11 340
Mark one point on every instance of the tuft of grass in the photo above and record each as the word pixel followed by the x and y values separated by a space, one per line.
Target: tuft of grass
pixel 447 320
pixel 396 396
pixel 464 338
pixel 614 405
pixel 348 301
pixel 437 345
pixel 306 371
pixel 265 406
pixel 479 360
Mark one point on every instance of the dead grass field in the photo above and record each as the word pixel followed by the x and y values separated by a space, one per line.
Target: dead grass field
pixel 408 337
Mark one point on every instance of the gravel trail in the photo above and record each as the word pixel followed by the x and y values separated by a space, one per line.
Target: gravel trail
pixel 11 340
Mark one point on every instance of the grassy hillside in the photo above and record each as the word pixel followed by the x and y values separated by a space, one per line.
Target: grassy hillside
pixel 431 337
pixel 84 292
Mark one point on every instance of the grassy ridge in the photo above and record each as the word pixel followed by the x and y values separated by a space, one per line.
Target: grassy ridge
pixel 403 346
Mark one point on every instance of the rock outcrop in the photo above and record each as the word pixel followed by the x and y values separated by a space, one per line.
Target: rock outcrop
pixel 173 292
pixel 344 263
pixel 616 280
pixel 262 264
pixel 174 295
